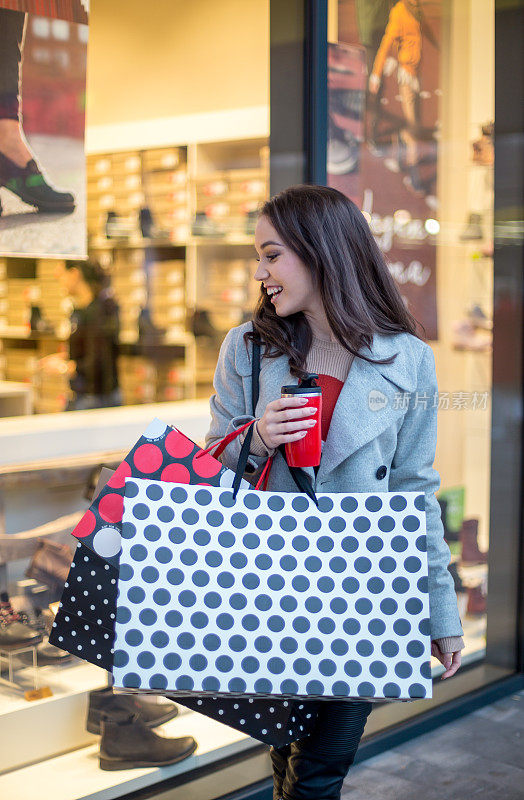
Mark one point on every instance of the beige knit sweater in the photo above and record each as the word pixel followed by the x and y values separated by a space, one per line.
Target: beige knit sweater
pixel 330 358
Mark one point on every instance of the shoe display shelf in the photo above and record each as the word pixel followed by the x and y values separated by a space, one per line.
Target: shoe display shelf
pixel 35 324
pixel 74 774
pixel 187 256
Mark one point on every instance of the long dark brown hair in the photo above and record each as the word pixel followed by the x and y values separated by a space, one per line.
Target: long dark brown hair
pixel 330 235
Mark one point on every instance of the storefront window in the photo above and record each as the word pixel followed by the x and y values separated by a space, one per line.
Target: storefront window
pixel 410 140
pixel 177 164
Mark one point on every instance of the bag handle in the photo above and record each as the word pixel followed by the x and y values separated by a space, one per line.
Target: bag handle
pixel 299 476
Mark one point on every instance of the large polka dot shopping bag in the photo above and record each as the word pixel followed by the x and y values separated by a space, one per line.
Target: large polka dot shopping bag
pixel 262 594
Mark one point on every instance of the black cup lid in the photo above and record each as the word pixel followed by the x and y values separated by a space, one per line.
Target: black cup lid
pixel 301 389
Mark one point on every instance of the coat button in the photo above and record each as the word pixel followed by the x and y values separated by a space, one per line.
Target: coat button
pixel 381 472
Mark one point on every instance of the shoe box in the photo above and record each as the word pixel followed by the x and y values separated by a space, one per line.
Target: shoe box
pixel 20 293
pixel 171 379
pixel 3 295
pixel 163 158
pixel 167 294
pixel 20 365
pixel 124 182
pixel 227 198
pixel 228 284
pixel 54 303
pixel 137 379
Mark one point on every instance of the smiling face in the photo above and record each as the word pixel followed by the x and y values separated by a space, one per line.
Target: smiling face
pixel 280 266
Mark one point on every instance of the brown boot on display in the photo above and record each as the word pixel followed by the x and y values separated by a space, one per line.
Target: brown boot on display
pixel 476 601
pixel 105 701
pixel 470 549
pixel 127 743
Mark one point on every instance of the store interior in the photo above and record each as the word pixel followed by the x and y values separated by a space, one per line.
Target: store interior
pixel 177 163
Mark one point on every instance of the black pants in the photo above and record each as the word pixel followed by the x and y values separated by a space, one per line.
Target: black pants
pixel 12 31
pixel 314 768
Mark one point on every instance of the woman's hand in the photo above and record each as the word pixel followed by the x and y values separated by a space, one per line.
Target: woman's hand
pixel 285 420
pixel 451 661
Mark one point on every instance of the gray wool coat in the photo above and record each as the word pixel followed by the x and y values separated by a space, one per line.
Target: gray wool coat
pixel 374 444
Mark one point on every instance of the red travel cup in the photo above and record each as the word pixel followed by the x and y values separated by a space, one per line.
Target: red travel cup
pixel 306 452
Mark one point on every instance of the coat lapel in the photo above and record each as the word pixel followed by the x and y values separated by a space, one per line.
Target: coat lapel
pixel 368 402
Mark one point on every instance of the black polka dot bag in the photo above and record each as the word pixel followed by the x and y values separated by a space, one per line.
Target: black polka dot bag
pixel 85 626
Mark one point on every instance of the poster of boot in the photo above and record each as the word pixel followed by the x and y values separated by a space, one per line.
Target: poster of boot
pixel 43 50
pixel 383 129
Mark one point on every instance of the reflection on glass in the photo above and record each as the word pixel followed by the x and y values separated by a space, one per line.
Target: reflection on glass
pixel 410 140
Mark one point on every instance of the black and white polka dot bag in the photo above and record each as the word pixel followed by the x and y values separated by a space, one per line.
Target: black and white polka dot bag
pixel 265 594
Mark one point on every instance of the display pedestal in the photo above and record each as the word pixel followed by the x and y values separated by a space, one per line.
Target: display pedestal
pixel 50 724
pixel 10 654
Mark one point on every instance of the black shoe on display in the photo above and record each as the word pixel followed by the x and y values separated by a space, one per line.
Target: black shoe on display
pixel 146 222
pixel 37 323
pixel 201 324
pixel 46 655
pixel 202 225
pixel 449 536
pixel 127 743
pixel 457 580
pixel 14 629
pixel 147 330
pixel 105 701
pixel 29 184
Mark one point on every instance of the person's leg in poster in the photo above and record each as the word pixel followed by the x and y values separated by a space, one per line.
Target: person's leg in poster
pixel 408 89
pixel 19 171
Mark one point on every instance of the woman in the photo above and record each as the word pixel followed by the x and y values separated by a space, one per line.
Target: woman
pixel 337 312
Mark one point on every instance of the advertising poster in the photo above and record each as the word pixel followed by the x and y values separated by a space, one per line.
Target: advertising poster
pixel 383 129
pixel 43 49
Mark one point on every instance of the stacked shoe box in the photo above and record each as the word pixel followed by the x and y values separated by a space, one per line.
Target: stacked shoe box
pixel 230 199
pixel 171 378
pixel 166 191
pixel 21 292
pixel 54 304
pixel 20 364
pixel 3 294
pixel 137 379
pixel 167 295
pixel 129 286
pixel 207 354
pixel 3 314
pixel 51 393
pixel 224 286
pixel 114 184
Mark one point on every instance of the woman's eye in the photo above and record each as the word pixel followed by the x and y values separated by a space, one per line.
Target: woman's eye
pixel 272 256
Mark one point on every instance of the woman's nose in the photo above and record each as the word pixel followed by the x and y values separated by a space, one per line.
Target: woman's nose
pixel 260 274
